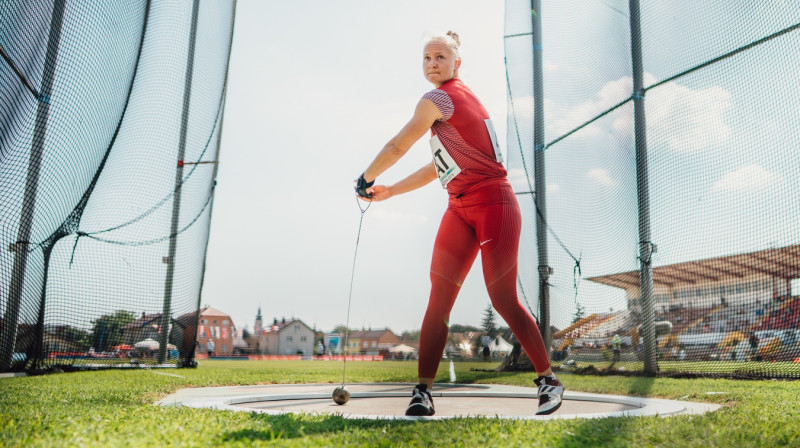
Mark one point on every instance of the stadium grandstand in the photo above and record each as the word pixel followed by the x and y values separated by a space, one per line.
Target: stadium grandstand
pixel 736 308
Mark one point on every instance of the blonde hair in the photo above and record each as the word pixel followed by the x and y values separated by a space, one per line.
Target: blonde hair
pixel 450 39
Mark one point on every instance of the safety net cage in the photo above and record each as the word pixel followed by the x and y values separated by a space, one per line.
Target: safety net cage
pixel 655 150
pixel 110 118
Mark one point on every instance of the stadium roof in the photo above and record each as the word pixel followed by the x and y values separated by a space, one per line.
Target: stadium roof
pixel 782 262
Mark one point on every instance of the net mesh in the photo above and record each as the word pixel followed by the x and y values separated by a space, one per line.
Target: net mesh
pixel 722 114
pixel 109 132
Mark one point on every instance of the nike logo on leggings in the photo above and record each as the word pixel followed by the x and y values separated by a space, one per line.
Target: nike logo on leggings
pixel 484 242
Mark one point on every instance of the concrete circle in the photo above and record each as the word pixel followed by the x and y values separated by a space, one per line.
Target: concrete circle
pixel 389 400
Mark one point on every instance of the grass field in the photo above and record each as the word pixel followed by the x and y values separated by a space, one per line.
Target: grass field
pixel 114 408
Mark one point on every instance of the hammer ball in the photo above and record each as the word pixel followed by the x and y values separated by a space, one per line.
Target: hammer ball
pixel 341 395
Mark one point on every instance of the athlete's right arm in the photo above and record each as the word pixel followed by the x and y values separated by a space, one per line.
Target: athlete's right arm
pixel 425 114
pixel 417 179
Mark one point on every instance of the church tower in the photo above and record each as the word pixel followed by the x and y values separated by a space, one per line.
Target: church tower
pixel 257 328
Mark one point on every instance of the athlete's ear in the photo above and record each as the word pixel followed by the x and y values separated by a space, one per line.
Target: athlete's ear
pixel 458 63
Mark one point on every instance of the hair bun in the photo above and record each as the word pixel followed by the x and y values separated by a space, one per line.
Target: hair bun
pixel 455 37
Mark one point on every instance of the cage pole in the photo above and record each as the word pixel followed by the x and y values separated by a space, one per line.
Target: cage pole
pixel 538 172
pixel 176 201
pixel 190 361
pixel 21 247
pixel 646 248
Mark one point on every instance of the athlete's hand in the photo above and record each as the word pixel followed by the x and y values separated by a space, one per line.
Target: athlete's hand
pixel 362 187
pixel 380 192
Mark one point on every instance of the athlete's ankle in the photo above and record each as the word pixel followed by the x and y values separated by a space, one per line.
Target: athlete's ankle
pixel 548 372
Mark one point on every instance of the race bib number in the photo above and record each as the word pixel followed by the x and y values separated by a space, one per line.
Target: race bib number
pixel 493 136
pixel 446 167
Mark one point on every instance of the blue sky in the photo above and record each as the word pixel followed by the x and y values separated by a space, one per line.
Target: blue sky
pixel 317 88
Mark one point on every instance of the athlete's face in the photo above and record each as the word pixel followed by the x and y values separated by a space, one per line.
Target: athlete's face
pixel 439 64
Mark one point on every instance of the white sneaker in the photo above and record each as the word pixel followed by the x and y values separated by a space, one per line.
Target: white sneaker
pixel 421 402
pixel 550 392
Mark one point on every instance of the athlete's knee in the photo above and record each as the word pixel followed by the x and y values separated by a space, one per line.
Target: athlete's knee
pixel 443 294
pixel 503 293
pixel 435 319
pixel 507 305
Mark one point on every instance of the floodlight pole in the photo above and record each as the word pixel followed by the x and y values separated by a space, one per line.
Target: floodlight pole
pixel 540 186
pixel 166 313
pixel 21 248
pixel 646 248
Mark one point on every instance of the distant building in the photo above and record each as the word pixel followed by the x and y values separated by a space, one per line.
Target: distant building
pixel 144 327
pixel 371 342
pixel 216 325
pixel 284 337
pixel 61 338
pixel 258 327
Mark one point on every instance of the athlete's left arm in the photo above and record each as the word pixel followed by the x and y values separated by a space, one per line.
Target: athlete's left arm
pixel 425 115
pixel 417 179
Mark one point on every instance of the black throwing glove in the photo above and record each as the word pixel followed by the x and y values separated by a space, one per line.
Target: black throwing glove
pixel 362 185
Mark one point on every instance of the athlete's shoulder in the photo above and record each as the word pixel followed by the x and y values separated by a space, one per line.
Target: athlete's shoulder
pixel 436 93
pixel 442 101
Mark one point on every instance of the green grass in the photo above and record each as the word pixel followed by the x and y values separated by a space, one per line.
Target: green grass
pixel 114 408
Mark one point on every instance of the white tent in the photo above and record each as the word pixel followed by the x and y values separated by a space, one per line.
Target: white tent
pixel 151 344
pixel 500 346
pixel 147 344
pixel 402 348
pixel 402 351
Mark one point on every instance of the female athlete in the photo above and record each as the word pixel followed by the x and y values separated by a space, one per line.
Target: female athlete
pixel 482 215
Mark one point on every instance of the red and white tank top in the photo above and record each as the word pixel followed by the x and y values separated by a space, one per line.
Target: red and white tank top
pixel 463 132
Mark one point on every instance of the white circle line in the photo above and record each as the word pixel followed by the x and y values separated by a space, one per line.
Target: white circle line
pixel 646 406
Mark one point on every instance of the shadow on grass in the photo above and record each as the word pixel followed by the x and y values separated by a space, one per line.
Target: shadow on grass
pixel 605 431
pixel 293 426
pixel 591 432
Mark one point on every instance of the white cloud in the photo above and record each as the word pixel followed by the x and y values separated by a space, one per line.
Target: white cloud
pixel 602 177
pixel 623 124
pixel 561 119
pixel 746 178
pixel 688 120
pixel 682 118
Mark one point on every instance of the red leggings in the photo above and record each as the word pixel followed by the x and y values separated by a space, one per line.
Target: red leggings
pixel 486 218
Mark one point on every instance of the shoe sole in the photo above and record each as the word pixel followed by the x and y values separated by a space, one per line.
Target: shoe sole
pixel 550 411
pixel 418 410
